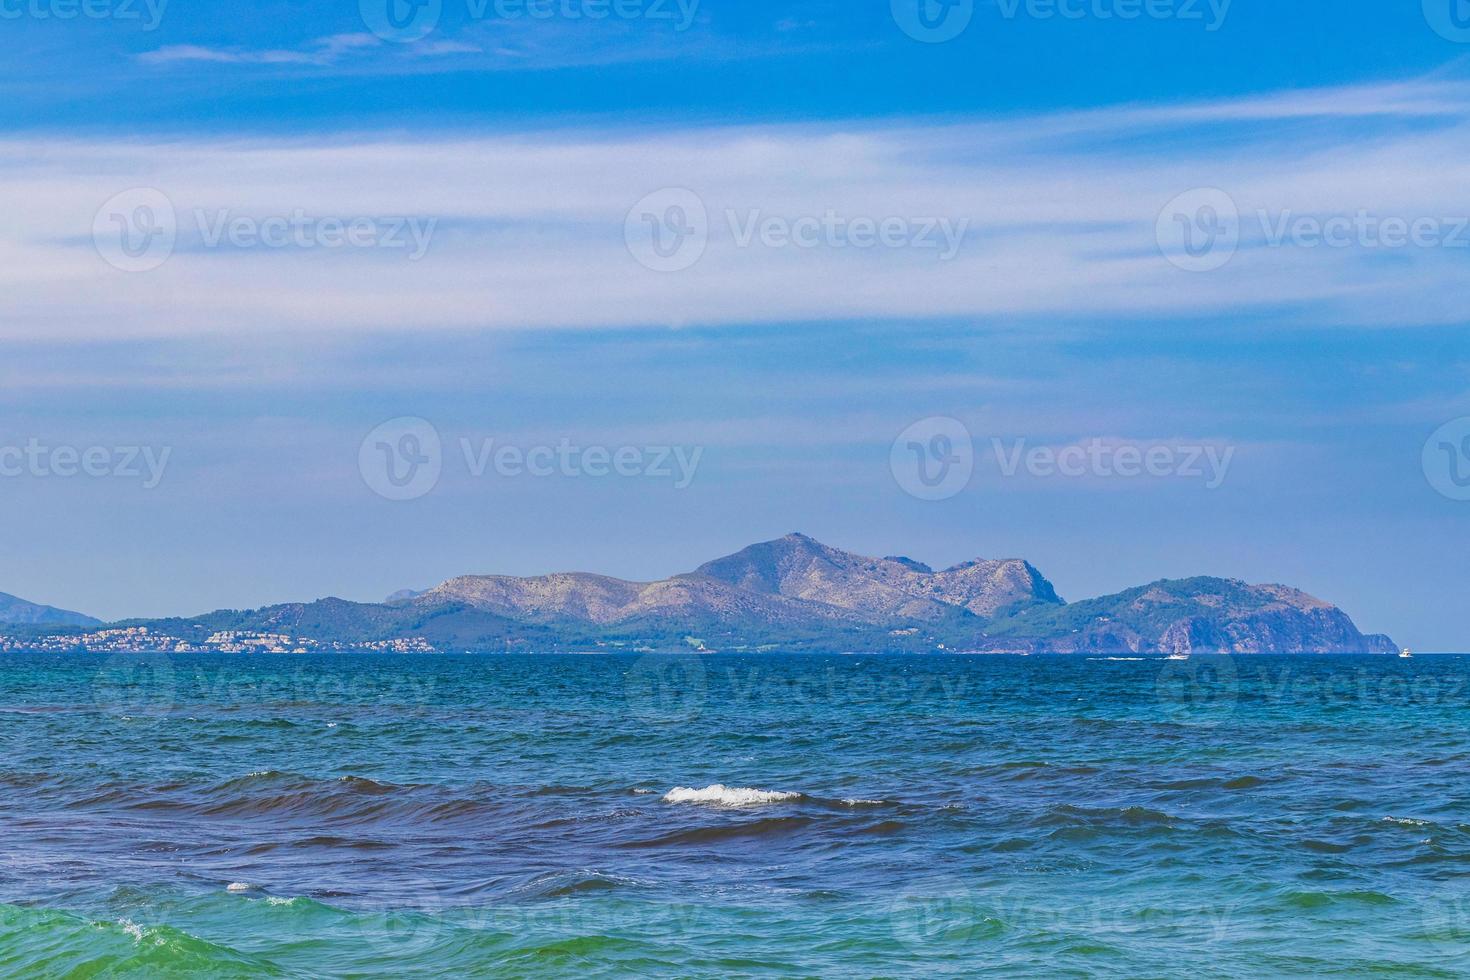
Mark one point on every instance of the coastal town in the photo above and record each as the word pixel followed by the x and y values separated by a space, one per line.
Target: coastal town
pixel 143 639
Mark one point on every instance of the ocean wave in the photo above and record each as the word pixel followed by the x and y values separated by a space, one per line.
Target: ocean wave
pixel 1406 821
pixel 719 794
pixel 565 884
pixel 47 942
pixel 1214 782
pixel 759 829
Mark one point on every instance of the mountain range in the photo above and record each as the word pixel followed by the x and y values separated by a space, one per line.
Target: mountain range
pixel 15 611
pixel 795 593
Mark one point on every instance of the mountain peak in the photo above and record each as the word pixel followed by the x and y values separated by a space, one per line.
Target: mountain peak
pixel 799 567
pixel 917 566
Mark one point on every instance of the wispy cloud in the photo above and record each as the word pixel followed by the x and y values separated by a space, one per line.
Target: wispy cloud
pixel 1059 214
pixel 322 51
pixel 493 44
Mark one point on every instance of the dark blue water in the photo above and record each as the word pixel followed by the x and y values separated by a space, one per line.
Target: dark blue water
pixel 683 816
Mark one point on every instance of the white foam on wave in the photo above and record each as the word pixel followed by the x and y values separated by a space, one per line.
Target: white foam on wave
pixel 132 929
pixel 239 886
pixel 1406 821
pixel 721 795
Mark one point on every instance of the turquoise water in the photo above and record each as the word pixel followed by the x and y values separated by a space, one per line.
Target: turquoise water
pixel 881 816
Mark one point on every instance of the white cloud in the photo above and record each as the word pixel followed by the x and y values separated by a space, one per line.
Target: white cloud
pixel 323 51
pixel 1061 212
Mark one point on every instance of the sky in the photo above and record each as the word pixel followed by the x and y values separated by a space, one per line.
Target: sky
pixel 340 298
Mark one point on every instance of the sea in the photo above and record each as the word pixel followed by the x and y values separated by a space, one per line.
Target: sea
pixel 733 816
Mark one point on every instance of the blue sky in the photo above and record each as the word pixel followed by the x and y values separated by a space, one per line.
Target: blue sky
pixel 502 168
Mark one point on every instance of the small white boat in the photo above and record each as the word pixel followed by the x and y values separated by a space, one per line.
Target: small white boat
pixel 1404 654
pixel 1178 656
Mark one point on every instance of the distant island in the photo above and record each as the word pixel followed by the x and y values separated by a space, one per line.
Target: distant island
pixel 792 594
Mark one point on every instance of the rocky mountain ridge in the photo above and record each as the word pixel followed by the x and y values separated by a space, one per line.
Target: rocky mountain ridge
pixel 795 593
